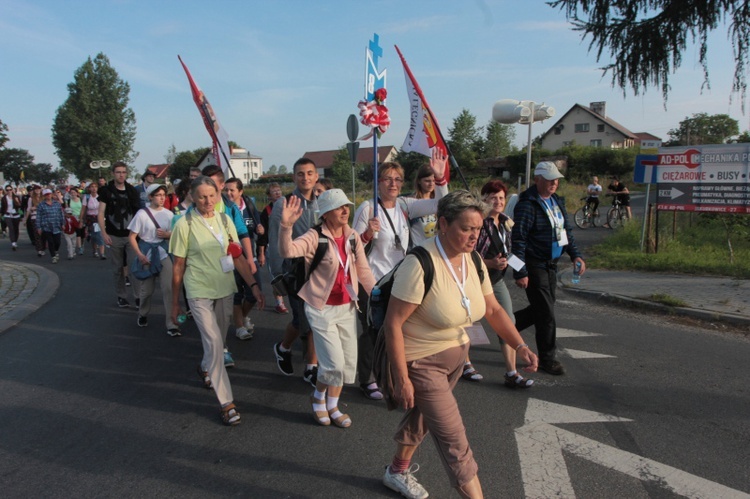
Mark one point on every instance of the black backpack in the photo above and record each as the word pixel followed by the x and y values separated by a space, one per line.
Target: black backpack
pixel 381 292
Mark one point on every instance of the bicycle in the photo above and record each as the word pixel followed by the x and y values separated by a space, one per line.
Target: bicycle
pixel 617 215
pixel 585 217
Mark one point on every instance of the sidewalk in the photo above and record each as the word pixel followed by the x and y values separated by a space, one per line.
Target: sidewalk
pixel 708 298
pixel 24 288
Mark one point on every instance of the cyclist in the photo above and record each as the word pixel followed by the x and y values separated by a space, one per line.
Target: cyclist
pixel 593 190
pixel 621 193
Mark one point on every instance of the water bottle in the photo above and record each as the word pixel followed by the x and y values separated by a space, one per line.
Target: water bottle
pixel 375 295
pixel 576 273
pixel 181 318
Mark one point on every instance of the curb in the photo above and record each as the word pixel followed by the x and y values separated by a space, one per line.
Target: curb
pixel 44 291
pixel 630 302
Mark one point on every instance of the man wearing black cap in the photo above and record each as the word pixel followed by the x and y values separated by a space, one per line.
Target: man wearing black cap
pixel 541 234
pixel 147 179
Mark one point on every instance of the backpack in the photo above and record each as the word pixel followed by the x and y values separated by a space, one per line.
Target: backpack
pixel 381 365
pixel 381 293
pixel 297 277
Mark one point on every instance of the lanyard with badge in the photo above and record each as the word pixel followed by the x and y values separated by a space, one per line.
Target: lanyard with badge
pixel 461 284
pixel 227 262
pixel 348 282
pixel 556 220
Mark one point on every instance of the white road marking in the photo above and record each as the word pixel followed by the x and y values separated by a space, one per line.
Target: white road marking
pixel 572 333
pixel 580 354
pixel 545 474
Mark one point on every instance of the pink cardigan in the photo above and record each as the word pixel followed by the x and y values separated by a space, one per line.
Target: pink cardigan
pixel 318 287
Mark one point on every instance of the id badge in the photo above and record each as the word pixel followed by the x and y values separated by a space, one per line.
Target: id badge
pixel 227 263
pixel 350 289
pixel 563 239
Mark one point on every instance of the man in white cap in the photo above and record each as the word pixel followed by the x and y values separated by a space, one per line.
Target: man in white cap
pixel 540 236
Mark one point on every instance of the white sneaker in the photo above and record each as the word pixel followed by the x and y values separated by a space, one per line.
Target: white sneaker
pixel 405 483
pixel 243 334
pixel 249 324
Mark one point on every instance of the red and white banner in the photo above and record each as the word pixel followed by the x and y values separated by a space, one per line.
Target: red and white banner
pixel 219 136
pixel 424 133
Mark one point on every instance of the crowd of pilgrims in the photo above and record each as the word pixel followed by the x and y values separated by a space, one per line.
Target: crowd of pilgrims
pixel 205 242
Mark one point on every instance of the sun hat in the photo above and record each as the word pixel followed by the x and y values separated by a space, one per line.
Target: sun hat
pixel 548 170
pixel 332 199
pixel 147 173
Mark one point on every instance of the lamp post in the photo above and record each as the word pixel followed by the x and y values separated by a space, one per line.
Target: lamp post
pixel 526 112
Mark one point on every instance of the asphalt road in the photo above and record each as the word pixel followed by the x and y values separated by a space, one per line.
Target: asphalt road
pixel 94 406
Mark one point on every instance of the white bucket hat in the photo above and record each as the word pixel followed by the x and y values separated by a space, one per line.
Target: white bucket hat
pixel 332 199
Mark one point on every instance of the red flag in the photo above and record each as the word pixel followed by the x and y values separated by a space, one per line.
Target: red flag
pixel 424 133
pixel 219 136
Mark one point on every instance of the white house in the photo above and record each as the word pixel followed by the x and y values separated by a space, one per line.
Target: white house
pixel 588 126
pixel 246 167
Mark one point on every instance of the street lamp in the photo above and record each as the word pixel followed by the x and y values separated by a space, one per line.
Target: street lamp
pixel 525 112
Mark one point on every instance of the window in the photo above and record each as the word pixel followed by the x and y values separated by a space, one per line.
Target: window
pixel 596 143
pixel 567 143
pixel 582 127
pixel 600 128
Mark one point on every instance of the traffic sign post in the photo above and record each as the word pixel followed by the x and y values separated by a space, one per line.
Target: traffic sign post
pixel 352 130
pixel 707 178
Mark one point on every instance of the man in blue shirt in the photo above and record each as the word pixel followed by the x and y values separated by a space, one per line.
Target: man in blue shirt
pixel 541 234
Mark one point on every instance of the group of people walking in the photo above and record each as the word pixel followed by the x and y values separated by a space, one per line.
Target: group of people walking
pixel 329 268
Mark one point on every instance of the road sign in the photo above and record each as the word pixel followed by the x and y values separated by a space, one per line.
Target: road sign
pixel 706 178
pixel 353 148
pixel 352 127
pixel 645 169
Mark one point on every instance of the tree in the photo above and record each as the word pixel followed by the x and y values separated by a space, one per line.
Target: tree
pixel 465 140
pixel 498 140
pixel 14 163
pixel 341 168
pixel 94 122
pixel 272 170
pixel 3 136
pixel 42 173
pixel 704 129
pixel 411 162
pixel 646 38
pixel 184 161
pixel 743 138
pixel 282 169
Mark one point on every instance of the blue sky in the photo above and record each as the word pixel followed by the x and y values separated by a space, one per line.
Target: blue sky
pixel 283 76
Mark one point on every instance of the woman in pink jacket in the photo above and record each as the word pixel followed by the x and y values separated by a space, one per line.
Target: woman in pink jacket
pixel 330 295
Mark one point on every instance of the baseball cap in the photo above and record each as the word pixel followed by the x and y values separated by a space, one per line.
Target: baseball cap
pixel 46 191
pixel 548 170
pixel 155 187
pixel 332 199
pixel 68 210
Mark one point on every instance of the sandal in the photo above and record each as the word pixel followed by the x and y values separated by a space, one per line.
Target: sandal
pixel 321 417
pixel 205 378
pixel 230 416
pixel 343 421
pixel 517 381
pixel 471 374
pixel 372 393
